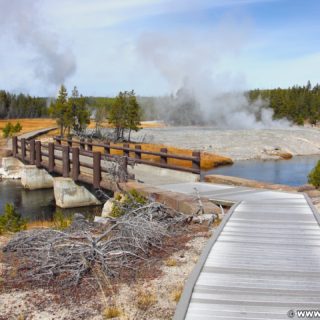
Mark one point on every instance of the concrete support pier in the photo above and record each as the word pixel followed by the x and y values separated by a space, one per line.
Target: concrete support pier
pixel 69 195
pixel 11 168
pixel 33 178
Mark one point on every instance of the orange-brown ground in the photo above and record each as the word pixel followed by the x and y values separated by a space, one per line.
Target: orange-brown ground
pixel 208 160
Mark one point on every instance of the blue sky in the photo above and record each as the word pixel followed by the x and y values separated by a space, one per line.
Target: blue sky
pixel 154 46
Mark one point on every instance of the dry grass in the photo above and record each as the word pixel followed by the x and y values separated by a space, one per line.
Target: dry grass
pixel 145 300
pixel 111 312
pixel 144 124
pixel 171 262
pixel 176 293
pixel 208 160
pixel 30 124
pixel 40 224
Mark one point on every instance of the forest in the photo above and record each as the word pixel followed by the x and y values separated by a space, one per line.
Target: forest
pixel 299 104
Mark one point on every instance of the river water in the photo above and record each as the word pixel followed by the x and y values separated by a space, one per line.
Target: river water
pixel 293 172
pixel 36 204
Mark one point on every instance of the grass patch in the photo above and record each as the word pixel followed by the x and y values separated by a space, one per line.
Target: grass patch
pixel 111 312
pixel 208 160
pixel 171 262
pixel 145 300
pixel 176 293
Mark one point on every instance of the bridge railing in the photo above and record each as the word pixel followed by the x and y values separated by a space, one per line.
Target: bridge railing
pixel 71 164
pixel 163 156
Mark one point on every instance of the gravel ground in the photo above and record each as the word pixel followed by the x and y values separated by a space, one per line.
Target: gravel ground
pixel 237 144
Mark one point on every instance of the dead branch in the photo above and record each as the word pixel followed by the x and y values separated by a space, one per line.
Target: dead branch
pixel 67 257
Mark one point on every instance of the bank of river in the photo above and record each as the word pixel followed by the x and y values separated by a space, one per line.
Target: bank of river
pixel 293 172
pixel 36 204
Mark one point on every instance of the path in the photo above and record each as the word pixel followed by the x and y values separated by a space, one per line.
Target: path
pixel 31 134
pixel 263 261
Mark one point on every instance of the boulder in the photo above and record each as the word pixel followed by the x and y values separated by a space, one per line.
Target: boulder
pixel 11 168
pixel 69 195
pixel 107 208
pixel 33 178
pixel 101 220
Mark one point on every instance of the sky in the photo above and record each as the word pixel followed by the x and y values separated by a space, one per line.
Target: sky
pixel 155 46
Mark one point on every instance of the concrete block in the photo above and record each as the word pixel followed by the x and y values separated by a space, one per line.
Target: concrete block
pixel 69 195
pixel 11 168
pixel 107 208
pixel 33 178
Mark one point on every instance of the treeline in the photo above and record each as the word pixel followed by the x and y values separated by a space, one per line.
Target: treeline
pixel 298 103
pixel 22 106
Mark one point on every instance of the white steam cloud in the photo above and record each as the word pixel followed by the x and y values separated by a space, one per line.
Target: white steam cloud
pixel 22 21
pixel 202 93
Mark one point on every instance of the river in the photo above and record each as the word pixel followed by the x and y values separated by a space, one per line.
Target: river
pixel 293 172
pixel 36 204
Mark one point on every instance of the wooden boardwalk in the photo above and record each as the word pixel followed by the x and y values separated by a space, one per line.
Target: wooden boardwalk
pixel 263 261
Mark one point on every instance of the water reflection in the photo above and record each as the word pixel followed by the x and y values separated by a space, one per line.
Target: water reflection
pixel 293 172
pixel 36 204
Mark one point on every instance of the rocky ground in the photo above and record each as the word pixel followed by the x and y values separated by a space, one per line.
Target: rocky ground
pixel 238 144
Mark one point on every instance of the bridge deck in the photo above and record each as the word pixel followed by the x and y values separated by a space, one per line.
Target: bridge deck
pixel 262 262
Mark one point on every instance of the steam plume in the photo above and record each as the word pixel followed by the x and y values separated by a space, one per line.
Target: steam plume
pixel 21 20
pixel 202 93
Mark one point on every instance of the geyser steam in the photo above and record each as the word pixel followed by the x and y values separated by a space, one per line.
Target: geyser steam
pixel 202 92
pixel 53 62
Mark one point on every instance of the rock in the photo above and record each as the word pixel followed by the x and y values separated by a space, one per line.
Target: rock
pixel 107 208
pixel 11 168
pixel 33 178
pixel 101 220
pixel 205 218
pixel 275 152
pixel 69 195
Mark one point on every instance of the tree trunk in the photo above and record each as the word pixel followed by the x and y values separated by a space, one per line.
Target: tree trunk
pixel 129 135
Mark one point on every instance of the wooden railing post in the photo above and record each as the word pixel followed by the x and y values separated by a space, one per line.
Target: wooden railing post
pixel 38 153
pixel 70 142
pixel 89 145
pixel 96 169
pixel 137 154
pixel 14 146
pixel 196 162
pixel 32 151
pixel 65 161
pixel 82 144
pixel 163 159
pixel 23 148
pixel 126 152
pixel 107 148
pixel 75 164
pixel 51 157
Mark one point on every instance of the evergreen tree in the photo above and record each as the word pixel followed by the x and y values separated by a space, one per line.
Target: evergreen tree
pixel 125 114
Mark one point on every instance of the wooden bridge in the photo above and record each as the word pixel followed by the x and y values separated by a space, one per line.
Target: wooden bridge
pixel 262 263
pixel 80 160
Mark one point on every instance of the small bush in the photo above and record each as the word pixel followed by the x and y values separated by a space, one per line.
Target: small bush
pixel 9 130
pixel 171 262
pixel 61 221
pixel 111 312
pixel 314 176
pixel 133 199
pixel 11 220
pixel 145 300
